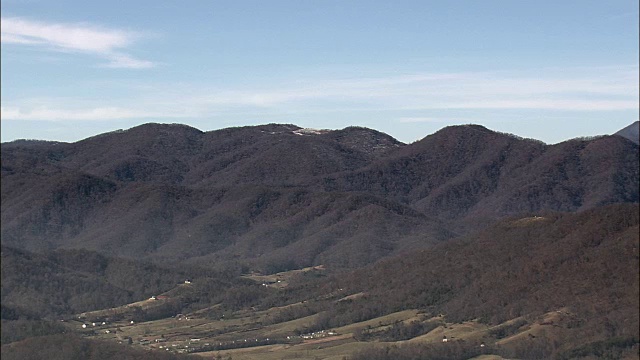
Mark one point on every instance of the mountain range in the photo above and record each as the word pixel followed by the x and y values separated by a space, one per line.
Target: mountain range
pixel 278 197
pixel 529 248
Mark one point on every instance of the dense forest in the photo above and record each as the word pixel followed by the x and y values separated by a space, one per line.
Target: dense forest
pixel 275 198
pixel 465 225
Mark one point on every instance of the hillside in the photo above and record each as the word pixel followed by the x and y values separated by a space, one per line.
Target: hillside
pixel 551 285
pixel 631 132
pixel 582 265
pixel 278 197
pixel 470 171
pixel 521 265
pixel 66 347
pixel 302 243
pixel 64 282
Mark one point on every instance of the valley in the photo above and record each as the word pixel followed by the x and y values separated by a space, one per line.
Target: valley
pixel 276 242
pixel 254 334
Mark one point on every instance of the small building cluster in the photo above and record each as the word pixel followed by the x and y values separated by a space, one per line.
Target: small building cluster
pixel 317 335
pixel 94 324
pixel 182 317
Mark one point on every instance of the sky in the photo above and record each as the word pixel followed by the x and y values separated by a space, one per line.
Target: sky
pixel 549 70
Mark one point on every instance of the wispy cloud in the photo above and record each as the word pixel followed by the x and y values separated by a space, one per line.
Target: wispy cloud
pixel 420 97
pixel 419 119
pixel 126 61
pixel 85 38
pixel 98 113
pixel 612 89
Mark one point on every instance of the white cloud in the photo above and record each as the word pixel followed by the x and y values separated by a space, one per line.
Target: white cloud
pixel 419 119
pixel 9 38
pixel 125 61
pixel 611 89
pixel 85 38
pixel 415 97
pixel 99 113
pixel 550 104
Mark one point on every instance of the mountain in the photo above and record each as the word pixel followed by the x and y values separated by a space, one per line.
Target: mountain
pixel 528 248
pixel 470 171
pixel 178 154
pixel 73 281
pixel 521 265
pixel 278 197
pixel 583 266
pixel 631 132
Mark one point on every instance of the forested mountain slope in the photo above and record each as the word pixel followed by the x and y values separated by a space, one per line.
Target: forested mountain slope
pixel 276 197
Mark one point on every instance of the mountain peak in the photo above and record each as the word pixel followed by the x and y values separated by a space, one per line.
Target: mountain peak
pixel 365 140
pixel 457 134
pixel 165 128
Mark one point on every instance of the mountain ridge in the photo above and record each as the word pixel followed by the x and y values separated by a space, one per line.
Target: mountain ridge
pixel 531 247
pixel 353 196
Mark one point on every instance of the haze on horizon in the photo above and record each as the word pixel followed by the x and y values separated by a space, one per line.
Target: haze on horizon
pixel 544 70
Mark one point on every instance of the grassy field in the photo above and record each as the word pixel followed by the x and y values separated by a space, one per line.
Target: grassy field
pixel 281 279
pixel 243 329
pixel 143 304
pixel 256 334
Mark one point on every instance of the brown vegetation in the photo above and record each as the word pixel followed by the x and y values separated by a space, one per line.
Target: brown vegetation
pixel 69 347
pixel 423 224
pixel 275 200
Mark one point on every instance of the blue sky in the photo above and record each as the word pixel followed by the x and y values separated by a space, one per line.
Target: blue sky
pixel 550 70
